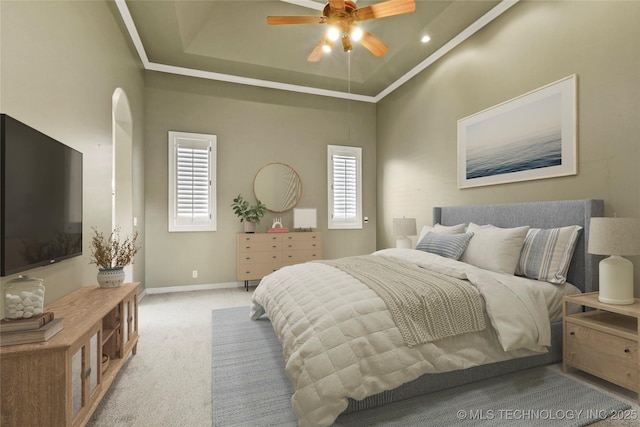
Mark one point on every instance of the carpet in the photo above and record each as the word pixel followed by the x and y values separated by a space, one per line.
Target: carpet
pixel 250 388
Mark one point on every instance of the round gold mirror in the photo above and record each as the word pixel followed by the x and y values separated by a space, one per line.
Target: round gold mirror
pixel 278 186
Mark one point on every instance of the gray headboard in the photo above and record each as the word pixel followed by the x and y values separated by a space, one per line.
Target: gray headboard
pixel 583 272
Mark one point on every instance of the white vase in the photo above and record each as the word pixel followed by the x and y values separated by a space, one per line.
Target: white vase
pixel 249 227
pixel 110 277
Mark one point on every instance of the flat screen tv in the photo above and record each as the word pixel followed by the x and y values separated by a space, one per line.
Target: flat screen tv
pixel 41 202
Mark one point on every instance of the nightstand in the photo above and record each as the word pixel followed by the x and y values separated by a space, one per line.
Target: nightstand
pixel 603 342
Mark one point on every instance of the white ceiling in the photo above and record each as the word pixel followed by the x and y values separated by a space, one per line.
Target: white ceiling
pixel 230 41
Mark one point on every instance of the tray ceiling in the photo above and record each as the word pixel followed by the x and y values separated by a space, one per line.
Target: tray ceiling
pixel 230 41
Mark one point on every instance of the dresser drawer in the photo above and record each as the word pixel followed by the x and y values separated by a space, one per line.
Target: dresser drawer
pixel 256 271
pixel 296 257
pixel 260 246
pixel 258 238
pixel 251 257
pixel 302 237
pixel 605 355
pixel 302 245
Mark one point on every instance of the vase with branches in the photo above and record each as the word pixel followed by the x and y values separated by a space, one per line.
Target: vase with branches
pixel 111 255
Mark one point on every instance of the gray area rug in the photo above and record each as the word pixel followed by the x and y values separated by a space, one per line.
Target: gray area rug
pixel 250 388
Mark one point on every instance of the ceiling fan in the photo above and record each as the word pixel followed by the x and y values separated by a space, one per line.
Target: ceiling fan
pixel 342 16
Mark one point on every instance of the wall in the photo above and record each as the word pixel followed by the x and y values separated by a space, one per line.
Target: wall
pixel 254 126
pixel 531 45
pixel 61 63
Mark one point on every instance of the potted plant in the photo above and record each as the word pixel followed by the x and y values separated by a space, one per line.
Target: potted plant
pixel 111 256
pixel 250 215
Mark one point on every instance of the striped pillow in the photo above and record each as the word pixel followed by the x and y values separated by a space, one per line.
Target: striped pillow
pixel 546 253
pixel 445 245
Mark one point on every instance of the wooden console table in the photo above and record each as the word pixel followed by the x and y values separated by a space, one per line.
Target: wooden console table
pixel 61 382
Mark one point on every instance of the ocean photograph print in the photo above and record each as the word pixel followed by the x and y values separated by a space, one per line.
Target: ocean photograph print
pixel 529 137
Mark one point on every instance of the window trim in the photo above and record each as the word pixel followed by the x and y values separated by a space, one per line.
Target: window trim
pixel 341 150
pixel 201 141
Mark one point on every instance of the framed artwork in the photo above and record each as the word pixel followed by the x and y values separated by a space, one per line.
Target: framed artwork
pixel 529 137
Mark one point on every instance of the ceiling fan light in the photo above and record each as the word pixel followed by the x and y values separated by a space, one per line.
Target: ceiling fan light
pixel 333 33
pixel 346 44
pixel 326 48
pixel 356 34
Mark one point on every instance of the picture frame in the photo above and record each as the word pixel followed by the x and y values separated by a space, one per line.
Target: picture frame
pixel 532 136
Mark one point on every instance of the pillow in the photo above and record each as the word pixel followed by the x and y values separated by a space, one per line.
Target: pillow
pixel 445 245
pixel 442 229
pixel 494 248
pixel 546 253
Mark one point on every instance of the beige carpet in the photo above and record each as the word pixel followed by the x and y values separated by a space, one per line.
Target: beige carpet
pixel 168 383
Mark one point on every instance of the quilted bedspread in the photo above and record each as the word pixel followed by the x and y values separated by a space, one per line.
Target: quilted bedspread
pixel 340 341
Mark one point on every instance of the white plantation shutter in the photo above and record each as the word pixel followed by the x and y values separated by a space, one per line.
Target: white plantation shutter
pixel 345 186
pixel 191 182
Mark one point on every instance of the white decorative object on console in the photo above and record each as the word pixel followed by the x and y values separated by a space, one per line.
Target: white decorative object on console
pixel 403 227
pixel 615 237
pixel 304 219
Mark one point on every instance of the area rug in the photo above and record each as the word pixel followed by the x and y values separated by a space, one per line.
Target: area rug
pixel 250 388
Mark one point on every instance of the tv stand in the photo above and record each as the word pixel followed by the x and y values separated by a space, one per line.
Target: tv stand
pixel 61 382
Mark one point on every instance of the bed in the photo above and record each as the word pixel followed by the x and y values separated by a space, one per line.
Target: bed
pixel 348 348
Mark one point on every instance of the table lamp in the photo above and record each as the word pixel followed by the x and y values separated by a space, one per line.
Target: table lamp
pixel 616 237
pixel 403 227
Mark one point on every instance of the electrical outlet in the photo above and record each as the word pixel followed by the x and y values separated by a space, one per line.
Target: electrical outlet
pixel 194 274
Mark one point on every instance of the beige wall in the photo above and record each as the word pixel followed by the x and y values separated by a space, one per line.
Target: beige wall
pixel 531 45
pixel 254 127
pixel 61 61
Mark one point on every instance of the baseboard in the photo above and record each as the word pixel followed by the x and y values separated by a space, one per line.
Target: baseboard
pixel 189 288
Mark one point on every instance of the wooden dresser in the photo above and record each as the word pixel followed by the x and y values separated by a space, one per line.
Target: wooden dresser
pixel 60 382
pixel 262 253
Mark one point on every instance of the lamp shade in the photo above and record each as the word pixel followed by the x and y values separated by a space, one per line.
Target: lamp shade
pixel 404 227
pixel 614 236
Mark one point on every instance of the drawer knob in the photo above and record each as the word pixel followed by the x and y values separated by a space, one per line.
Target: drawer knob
pixel 572 333
pixel 290 256
pixel 274 257
pixel 626 350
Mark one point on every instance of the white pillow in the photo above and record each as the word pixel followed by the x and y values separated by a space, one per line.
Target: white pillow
pixel 442 229
pixel 494 248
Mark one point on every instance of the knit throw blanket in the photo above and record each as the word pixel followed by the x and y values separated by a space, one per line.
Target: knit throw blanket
pixel 425 305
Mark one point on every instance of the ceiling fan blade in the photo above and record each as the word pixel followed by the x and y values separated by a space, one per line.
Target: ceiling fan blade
pixel 336 5
pixel 317 52
pixel 373 44
pixel 384 9
pixel 288 20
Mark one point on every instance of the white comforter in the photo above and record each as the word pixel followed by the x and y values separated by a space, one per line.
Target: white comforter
pixel 339 340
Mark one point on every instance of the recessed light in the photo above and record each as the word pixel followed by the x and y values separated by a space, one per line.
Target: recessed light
pixel 425 39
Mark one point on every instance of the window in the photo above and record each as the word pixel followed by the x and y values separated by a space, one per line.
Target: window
pixel 192 170
pixel 345 186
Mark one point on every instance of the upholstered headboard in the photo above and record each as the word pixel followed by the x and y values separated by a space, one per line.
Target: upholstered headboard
pixel 583 272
